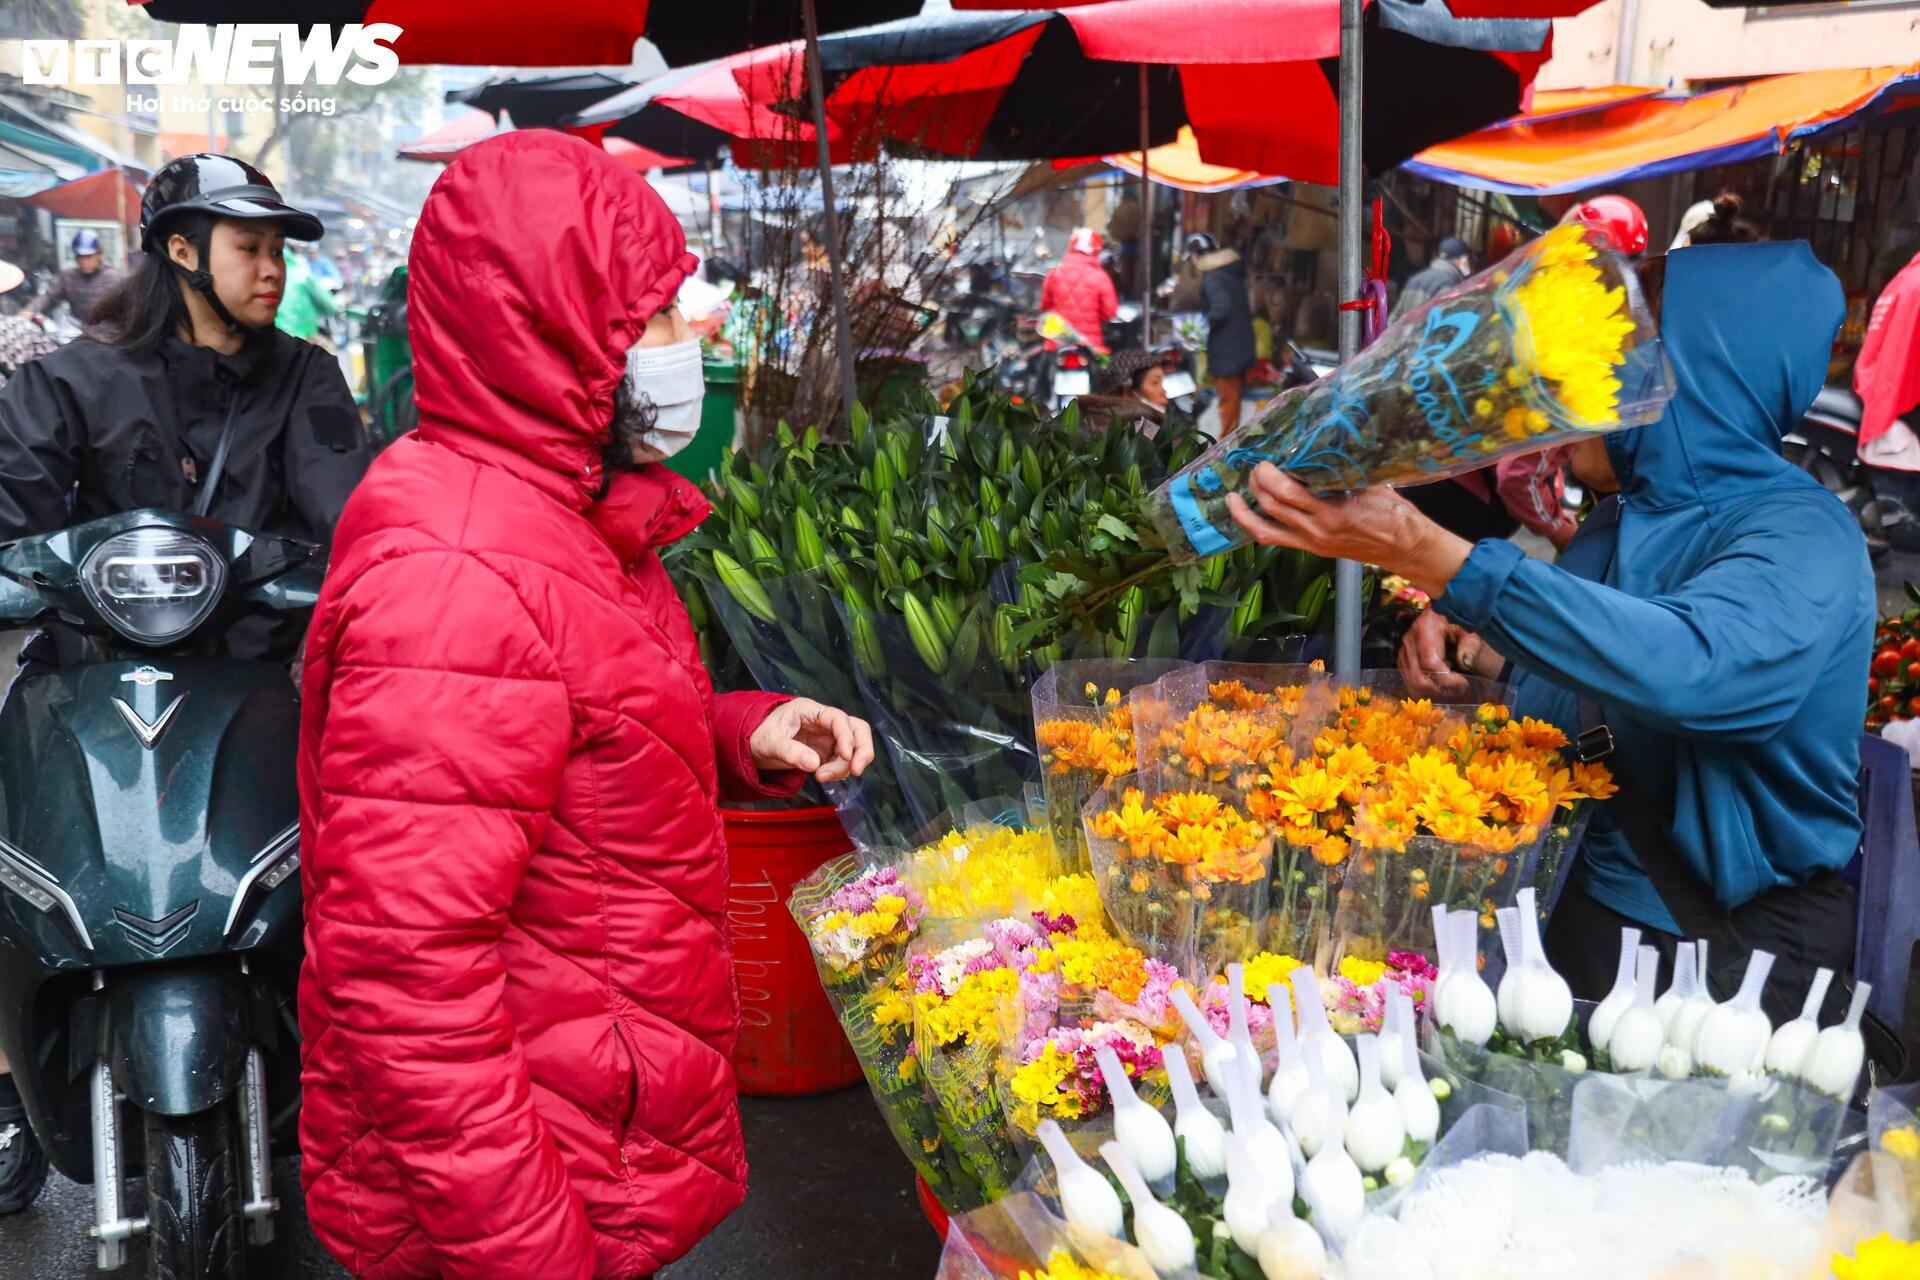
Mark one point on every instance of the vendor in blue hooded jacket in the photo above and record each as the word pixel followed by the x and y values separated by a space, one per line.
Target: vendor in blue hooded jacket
pixel 1715 613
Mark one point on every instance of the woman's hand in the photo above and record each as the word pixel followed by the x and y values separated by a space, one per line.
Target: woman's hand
pixel 1374 526
pixel 1437 655
pixel 805 735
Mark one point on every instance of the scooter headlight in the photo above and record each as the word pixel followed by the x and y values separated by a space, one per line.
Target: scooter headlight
pixel 153 585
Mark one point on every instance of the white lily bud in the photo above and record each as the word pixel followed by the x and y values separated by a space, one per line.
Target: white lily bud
pixel 1218 1057
pixel 1249 1197
pixel 1507 998
pixel 1465 1008
pixel 1320 1116
pixel 1290 1070
pixel 1333 1189
pixel 1240 1033
pixel 1143 1131
pixel 1162 1234
pixel 1792 1044
pixel 1265 1145
pixel 1607 1014
pixel 1317 1035
pixel 1841 1051
pixel 1733 1036
pixel 1088 1200
pixel 1636 1037
pixel 1375 1134
pixel 1291 1249
pixel 1685 1031
pixel 1205 1136
pixel 1679 992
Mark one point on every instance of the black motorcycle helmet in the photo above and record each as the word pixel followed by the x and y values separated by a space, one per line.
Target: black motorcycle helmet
pixel 224 188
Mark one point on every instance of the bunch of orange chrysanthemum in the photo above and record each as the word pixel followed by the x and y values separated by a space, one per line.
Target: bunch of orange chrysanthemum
pixel 1195 831
pixel 1102 747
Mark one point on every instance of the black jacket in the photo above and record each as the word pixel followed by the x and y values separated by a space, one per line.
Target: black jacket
pixel 138 430
pixel 78 290
pixel 1223 287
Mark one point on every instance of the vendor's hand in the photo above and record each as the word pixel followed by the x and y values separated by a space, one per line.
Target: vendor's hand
pixel 1437 656
pixel 1374 526
pixel 805 735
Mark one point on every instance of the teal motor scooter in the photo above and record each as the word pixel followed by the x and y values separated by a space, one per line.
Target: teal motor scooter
pixel 149 892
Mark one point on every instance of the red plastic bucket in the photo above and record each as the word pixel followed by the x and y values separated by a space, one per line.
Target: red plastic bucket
pixel 790 1042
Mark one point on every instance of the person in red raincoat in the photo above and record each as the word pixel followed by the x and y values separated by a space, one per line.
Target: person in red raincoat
pixel 1887 375
pixel 518 1009
pixel 1080 291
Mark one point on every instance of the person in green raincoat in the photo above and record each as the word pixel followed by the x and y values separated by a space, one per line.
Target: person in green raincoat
pixel 307 301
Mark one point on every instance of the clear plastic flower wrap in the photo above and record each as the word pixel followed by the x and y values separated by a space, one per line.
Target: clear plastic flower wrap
pixel 1458 822
pixel 1021 1236
pixel 1083 725
pixel 1613 1209
pixel 1765 1128
pixel 1552 344
pixel 1182 873
pixel 1346 741
pixel 1225 724
pixel 843 909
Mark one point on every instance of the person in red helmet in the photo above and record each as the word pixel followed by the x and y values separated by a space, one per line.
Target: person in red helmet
pixel 1080 291
pixel 1623 222
pixel 518 1009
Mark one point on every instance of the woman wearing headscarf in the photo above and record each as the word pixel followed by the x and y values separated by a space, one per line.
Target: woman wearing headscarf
pixel 1711 621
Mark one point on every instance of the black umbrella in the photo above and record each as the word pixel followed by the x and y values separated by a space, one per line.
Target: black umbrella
pixel 543 101
pixel 576 33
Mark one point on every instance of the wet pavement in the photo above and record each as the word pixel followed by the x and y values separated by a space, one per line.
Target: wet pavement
pixel 829 1197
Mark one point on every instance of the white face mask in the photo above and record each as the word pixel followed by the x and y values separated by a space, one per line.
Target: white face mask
pixel 672 378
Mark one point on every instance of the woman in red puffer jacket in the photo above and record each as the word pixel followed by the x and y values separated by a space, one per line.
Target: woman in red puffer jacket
pixel 518 1009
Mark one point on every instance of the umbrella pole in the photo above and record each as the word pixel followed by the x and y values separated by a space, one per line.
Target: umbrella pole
pixel 836 274
pixel 1346 573
pixel 1146 220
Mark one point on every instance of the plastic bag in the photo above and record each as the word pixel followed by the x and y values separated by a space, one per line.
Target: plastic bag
pixel 1224 724
pixel 1083 726
pixel 1183 877
pixel 1772 1129
pixel 866 987
pixel 1551 345
pixel 953 715
pixel 1021 1234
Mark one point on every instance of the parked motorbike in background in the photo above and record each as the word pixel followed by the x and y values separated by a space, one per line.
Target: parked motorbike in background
pixel 1826 445
pixel 150 927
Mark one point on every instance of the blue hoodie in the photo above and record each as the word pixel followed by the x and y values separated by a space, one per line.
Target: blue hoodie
pixel 1725 623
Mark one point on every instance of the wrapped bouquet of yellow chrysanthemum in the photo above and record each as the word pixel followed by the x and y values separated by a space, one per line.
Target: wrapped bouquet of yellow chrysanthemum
pixel 1553 343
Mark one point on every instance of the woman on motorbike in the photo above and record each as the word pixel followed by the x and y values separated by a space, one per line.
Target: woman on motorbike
pixel 183 366
pixel 183 396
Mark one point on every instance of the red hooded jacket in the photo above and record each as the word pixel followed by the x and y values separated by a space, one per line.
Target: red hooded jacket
pixel 1887 375
pixel 518 1008
pixel 1082 292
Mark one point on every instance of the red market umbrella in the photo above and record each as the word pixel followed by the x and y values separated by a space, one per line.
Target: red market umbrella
pixel 1255 79
pixel 510 33
pixel 106 196
pixel 698 111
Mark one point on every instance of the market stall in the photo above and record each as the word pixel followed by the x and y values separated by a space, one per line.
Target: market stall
pixel 1165 965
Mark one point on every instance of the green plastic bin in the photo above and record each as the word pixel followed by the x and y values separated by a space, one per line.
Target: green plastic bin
pixel 718 416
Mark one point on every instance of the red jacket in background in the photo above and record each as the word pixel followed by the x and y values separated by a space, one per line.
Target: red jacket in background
pixel 1887 375
pixel 518 1010
pixel 1082 292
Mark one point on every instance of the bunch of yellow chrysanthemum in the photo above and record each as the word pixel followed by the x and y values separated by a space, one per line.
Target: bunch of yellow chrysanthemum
pixel 1572 329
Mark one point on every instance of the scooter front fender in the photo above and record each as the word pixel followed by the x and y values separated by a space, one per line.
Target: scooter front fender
pixel 176 1036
